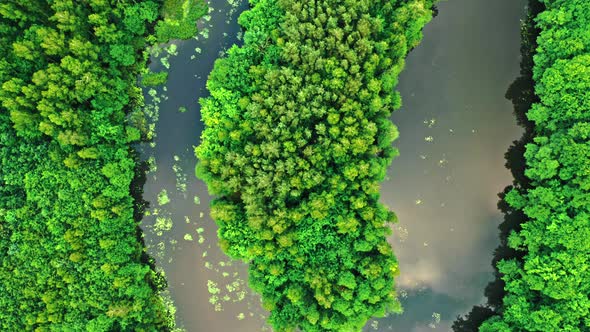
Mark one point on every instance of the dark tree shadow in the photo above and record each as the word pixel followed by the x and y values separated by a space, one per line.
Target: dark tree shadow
pixel 522 95
pixel 157 281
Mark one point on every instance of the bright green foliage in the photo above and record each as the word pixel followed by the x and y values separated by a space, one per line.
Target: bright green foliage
pixel 154 79
pixel 298 138
pixel 179 19
pixel 548 290
pixel 70 258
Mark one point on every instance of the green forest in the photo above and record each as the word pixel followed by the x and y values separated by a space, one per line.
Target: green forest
pixel 298 138
pixel 70 250
pixel 295 147
pixel 547 289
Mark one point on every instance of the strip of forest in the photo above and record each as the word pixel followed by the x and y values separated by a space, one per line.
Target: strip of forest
pixel 71 254
pixel 297 140
pixel 547 282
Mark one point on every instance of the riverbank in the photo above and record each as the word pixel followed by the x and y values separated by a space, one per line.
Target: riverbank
pixel 522 95
pixel 548 283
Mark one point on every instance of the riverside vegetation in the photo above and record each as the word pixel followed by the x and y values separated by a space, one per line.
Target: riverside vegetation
pixel 547 279
pixel 297 140
pixel 71 257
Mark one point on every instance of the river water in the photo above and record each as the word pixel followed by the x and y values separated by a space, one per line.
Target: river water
pixel 198 273
pixel 455 127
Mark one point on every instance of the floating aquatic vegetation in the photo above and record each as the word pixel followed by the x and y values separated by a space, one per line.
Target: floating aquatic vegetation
pixel 212 287
pixel 164 61
pixel 436 317
pixel 403 293
pixel 188 237
pixel 163 224
pixel 150 79
pixel 375 325
pixel 155 50
pixel 163 198
pixel 181 178
pixel 402 233
pixel 172 50
pixel 430 122
pixel 234 4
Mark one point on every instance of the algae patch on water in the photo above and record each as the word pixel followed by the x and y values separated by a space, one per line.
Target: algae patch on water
pixel 163 198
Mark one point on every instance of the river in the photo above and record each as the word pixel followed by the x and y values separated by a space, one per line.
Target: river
pixel 198 272
pixel 455 127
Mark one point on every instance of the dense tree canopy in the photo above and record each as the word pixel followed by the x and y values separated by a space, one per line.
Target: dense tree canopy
pixel 70 257
pixel 548 289
pixel 298 138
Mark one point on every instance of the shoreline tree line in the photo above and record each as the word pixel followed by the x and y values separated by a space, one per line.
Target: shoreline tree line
pixel 71 254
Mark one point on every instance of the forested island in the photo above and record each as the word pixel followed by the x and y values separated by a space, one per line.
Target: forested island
pixel 298 138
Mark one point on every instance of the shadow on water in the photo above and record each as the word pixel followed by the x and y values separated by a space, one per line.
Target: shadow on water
pixel 140 205
pixel 521 93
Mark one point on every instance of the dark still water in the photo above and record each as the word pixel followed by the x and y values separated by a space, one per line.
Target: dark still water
pixel 455 127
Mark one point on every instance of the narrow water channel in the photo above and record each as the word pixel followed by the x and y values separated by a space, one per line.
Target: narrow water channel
pixel 209 292
pixel 455 127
